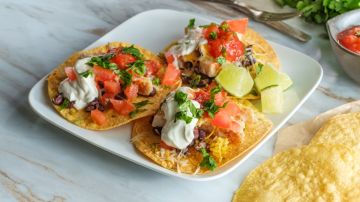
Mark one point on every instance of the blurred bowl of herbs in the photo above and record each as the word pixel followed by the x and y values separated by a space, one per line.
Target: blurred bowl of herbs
pixel 319 11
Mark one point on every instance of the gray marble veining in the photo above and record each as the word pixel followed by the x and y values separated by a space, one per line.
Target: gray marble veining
pixel 39 162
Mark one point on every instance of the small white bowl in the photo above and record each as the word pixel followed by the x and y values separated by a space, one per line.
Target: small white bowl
pixel 349 60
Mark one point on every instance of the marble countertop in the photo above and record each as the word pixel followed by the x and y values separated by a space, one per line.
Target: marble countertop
pixel 39 162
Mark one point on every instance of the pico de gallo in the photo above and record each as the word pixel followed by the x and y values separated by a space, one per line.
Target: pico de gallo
pixel 113 80
pixel 350 39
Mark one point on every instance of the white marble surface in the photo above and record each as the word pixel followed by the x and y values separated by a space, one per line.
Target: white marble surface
pixel 39 162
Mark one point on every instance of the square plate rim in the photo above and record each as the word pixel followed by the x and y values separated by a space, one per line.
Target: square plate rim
pixel 172 173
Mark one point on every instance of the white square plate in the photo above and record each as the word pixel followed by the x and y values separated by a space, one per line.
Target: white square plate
pixel 154 30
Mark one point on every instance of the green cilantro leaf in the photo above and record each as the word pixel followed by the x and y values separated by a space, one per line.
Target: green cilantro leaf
pixel 65 104
pixel 210 107
pixel 125 76
pixel 191 23
pixel 180 97
pixel 259 68
pixel 195 80
pixel 181 115
pixel 138 67
pixel 215 90
pixel 102 61
pixel 221 60
pixel 207 161
pixel 138 106
pixel 224 26
pixel 133 51
pixel 86 73
pixel 156 81
pixel 213 35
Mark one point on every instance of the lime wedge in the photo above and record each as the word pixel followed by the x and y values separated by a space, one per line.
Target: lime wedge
pixel 272 100
pixel 236 80
pixel 267 77
pixel 285 81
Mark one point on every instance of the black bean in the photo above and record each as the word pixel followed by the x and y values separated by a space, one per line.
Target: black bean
pixel 101 84
pixel 89 108
pixel 101 107
pixel 188 65
pixel 58 99
pixel 202 134
pixel 120 96
pixel 153 92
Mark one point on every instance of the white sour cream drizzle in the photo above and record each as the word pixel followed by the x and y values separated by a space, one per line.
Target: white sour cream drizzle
pixel 82 90
pixel 176 134
pixel 188 43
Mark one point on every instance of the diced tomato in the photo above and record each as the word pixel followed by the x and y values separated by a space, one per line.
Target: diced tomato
pixel 169 57
pixel 102 74
pixel 123 107
pixel 165 146
pixel 123 60
pixel 222 119
pixel 105 98
pixel 208 30
pixel 171 75
pixel 201 96
pixel 131 91
pixel 70 73
pixel 220 98
pixel 98 117
pixel 350 38
pixel 239 25
pixel 151 67
pixel 232 109
pixel 112 87
pixel 227 45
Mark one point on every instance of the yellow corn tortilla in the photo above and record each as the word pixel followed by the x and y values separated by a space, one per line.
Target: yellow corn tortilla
pixel 322 172
pixel 83 118
pixel 341 129
pixel 147 142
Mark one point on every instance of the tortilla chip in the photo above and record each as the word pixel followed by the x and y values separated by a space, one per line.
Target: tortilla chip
pixel 323 172
pixel 147 142
pixel 340 129
pixel 83 118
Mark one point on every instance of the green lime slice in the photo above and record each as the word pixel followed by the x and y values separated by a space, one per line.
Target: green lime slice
pixel 272 100
pixel 285 81
pixel 235 80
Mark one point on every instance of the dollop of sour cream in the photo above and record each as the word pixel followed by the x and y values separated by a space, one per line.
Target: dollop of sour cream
pixel 82 90
pixel 189 42
pixel 177 134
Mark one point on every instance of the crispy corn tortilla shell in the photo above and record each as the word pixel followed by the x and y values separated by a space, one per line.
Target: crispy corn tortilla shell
pixel 322 172
pixel 340 129
pixel 147 142
pixel 83 118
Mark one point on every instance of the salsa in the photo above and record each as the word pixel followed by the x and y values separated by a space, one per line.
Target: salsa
pixel 350 39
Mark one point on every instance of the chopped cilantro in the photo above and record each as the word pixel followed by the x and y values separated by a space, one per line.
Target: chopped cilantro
pixel 221 60
pixel 195 80
pixel 133 51
pixel 65 104
pixel 213 35
pixel 125 76
pixel 224 26
pixel 191 23
pixel 138 66
pixel 259 68
pixel 86 73
pixel 207 161
pixel 209 106
pixel 184 104
pixel 181 115
pixel 138 106
pixel 102 61
pixel 156 81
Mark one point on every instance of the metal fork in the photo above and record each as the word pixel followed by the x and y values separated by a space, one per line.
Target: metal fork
pixel 256 14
